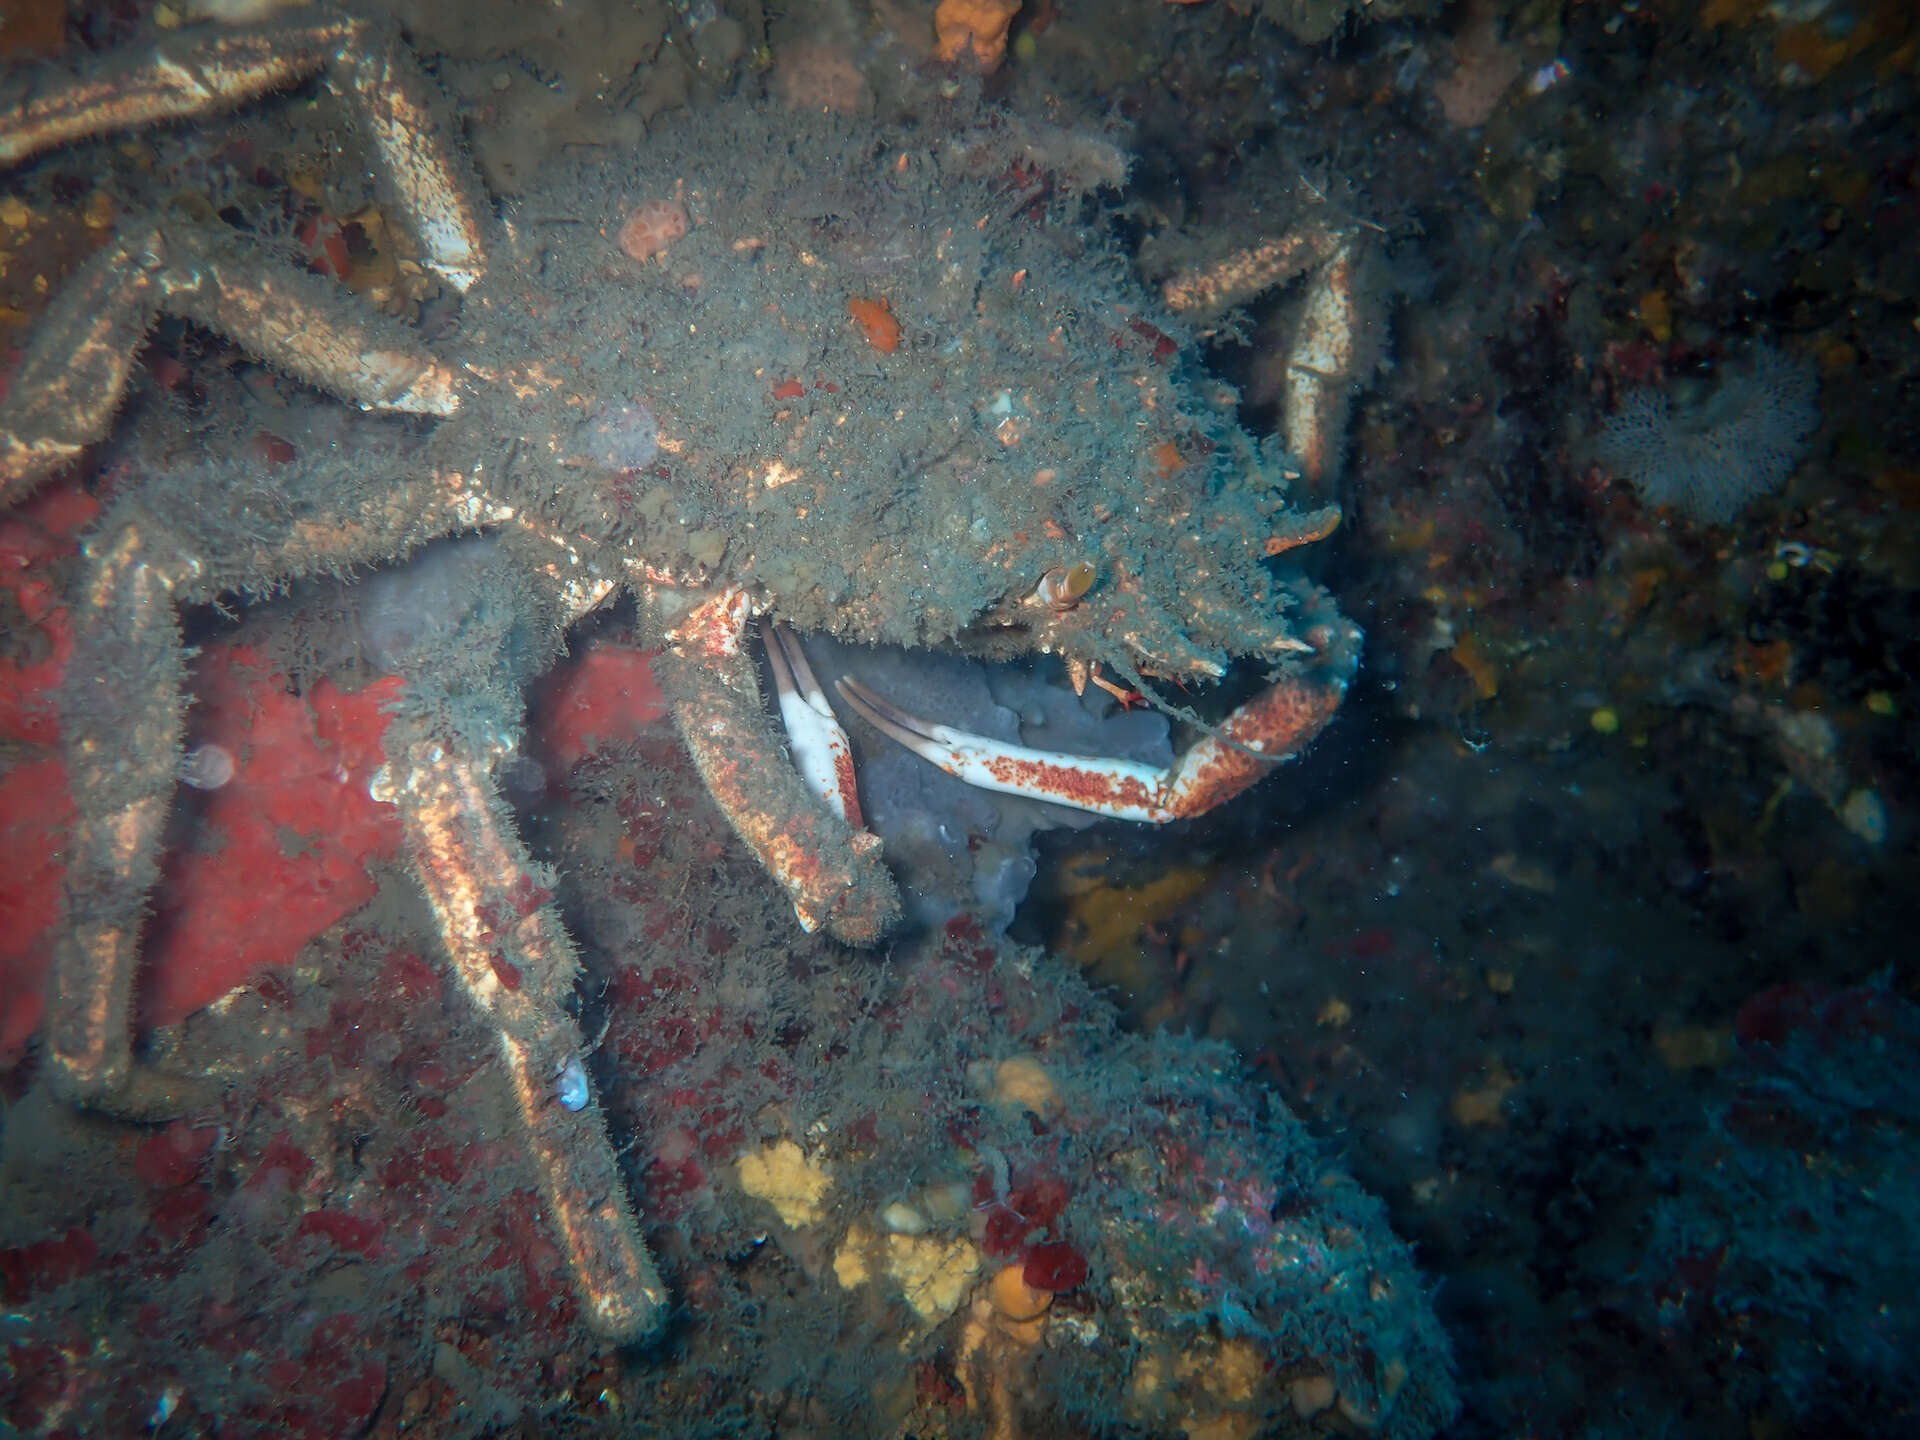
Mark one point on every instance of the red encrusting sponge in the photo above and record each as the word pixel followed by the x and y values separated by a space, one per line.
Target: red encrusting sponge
pixel 285 843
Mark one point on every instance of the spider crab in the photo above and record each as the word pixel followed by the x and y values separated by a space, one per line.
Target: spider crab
pixel 1003 454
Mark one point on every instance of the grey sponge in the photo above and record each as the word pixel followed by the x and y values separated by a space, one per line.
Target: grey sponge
pixel 1742 441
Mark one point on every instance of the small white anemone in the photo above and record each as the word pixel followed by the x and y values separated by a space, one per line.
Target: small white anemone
pixel 570 1083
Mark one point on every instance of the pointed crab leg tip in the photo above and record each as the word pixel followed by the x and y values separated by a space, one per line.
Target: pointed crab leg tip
pixel 815 738
pixel 860 700
pixel 852 691
pixel 896 724
pixel 909 729
pixel 777 663
pixel 796 658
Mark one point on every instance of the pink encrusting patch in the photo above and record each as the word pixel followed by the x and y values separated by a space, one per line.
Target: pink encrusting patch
pixel 650 229
pixel 285 845
pixel 33 540
pixel 35 806
pixel 35 811
pixel 605 696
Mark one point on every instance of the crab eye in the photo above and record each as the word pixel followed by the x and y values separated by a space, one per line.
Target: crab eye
pixel 1062 588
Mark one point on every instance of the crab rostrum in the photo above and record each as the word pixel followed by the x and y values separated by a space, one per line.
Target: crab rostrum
pixel 872 386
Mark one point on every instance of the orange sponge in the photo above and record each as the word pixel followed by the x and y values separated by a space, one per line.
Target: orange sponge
pixel 876 318
pixel 977 25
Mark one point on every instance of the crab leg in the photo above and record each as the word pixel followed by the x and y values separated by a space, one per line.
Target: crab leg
pixel 831 872
pixel 1247 274
pixel 1270 728
pixel 122 721
pixel 211 69
pixel 121 714
pixel 820 750
pixel 516 963
pixel 76 370
pixel 1323 363
pixel 76 367
pixel 1334 337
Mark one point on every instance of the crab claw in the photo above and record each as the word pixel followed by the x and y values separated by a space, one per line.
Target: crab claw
pixel 832 871
pixel 820 750
pixel 1273 726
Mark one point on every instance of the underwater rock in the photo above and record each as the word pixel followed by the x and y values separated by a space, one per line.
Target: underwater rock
pixel 838 1164
pixel 886 1145
pixel 1312 21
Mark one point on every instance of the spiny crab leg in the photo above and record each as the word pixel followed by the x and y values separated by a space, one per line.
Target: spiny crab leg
pixel 201 71
pixel 820 749
pixel 1271 727
pixel 76 369
pixel 514 960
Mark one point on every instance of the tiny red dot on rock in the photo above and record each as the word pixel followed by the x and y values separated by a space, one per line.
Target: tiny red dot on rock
pixel 1054 1267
